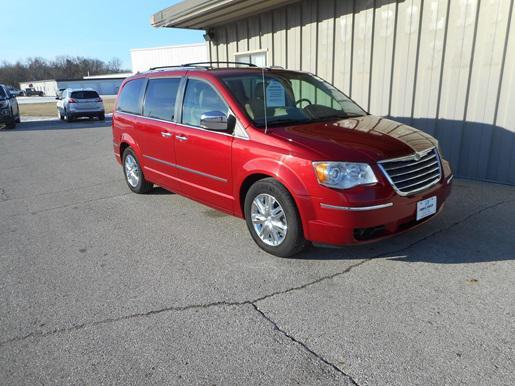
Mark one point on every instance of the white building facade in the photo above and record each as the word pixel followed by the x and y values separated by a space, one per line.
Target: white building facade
pixel 143 59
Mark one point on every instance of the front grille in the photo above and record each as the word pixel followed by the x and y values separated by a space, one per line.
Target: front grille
pixel 409 175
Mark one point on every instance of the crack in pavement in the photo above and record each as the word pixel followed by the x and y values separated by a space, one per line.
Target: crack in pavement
pixel 304 346
pixel 76 327
pixel 3 195
pixel 18 198
pixel 39 334
pixel 69 205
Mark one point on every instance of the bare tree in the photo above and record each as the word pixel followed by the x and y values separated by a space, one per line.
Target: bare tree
pixel 62 67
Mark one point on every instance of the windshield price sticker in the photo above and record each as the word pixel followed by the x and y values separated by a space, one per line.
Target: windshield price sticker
pixel 275 94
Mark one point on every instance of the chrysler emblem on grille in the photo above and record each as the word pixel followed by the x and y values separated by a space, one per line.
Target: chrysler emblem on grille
pixel 418 156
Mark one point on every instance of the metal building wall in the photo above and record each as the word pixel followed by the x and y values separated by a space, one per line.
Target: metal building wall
pixel 444 66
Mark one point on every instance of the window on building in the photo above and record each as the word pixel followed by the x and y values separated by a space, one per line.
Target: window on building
pixel 160 98
pixel 200 98
pixel 258 58
pixel 130 97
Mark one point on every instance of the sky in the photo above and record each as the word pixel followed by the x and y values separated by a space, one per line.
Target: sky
pixel 102 29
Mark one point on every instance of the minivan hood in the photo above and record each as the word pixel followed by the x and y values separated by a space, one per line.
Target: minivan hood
pixel 359 139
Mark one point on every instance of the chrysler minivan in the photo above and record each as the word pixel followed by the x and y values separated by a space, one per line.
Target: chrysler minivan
pixel 285 150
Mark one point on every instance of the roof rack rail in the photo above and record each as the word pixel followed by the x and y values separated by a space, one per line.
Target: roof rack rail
pixel 162 67
pixel 202 64
pixel 219 62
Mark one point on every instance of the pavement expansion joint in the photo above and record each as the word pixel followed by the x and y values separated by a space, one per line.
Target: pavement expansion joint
pixel 303 345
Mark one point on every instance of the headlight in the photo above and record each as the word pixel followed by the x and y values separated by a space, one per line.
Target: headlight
pixel 4 104
pixel 344 175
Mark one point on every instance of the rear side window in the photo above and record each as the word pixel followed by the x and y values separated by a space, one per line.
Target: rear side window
pixel 160 98
pixel 2 93
pixel 130 97
pixel 84 95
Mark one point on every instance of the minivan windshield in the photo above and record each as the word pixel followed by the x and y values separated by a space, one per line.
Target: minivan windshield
pixel 289 98
pixel 84 94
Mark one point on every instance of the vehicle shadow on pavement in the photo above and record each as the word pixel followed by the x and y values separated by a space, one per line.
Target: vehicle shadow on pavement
pixel 475 226
pixel 159 191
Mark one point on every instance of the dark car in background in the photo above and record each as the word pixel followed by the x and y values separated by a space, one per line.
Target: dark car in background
pixel 9 111
pixel 15 91
pixel 31 91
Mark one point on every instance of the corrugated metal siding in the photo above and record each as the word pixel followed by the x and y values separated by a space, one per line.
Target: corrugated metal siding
pixel 444 66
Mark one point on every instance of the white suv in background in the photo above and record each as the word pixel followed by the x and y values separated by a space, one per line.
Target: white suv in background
pixel 76 103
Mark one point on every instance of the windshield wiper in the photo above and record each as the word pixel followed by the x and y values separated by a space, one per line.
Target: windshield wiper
pixel 286 120
pixel 337 116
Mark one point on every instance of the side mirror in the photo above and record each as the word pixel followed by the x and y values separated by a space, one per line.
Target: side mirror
pixel 216 120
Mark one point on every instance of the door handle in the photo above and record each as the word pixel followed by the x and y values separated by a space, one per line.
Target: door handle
pixel 182 138
pixel 166 134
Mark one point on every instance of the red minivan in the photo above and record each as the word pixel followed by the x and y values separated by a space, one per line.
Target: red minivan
pixel 285 150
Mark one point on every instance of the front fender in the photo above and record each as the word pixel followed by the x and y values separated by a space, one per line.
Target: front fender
pixel 280 171
pixel 292 178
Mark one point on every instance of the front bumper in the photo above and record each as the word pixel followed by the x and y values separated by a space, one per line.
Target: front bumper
pixel 342 225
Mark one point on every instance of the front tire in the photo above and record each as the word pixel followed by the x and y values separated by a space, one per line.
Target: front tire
pixel 134 174
pixel 11 125
pixel 273 219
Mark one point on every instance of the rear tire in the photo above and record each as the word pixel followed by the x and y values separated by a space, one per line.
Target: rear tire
pixel 134 173
pixel 277 230
pixel 68 116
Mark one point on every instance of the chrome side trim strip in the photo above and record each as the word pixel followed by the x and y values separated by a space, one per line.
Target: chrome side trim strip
pixel 186 169
pixel 450 179
pixel 356 208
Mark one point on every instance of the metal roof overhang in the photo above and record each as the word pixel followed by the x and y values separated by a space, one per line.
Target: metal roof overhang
pixel 204 14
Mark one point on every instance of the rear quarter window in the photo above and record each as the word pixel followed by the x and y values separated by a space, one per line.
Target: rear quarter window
pixel 84 95
pixel 160 98
pixel 129 100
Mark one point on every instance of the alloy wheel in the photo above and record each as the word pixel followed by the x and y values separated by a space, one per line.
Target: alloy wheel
pixel 132 170
pixel 268 219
